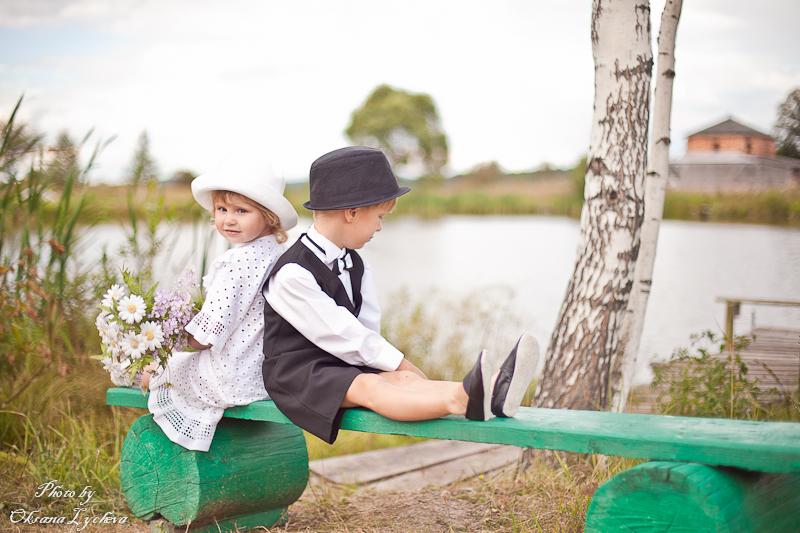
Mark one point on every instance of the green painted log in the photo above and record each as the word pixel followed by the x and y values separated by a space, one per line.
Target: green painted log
pixel 250 475
pixel 688 497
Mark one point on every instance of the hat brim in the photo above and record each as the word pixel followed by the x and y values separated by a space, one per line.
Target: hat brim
pixel 204 185
pixel 322 207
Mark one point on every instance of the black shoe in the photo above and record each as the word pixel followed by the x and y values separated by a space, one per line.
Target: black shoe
pixel 516 374
pixel 477 384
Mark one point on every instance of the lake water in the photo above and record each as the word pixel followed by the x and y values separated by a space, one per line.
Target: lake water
pixel 523 264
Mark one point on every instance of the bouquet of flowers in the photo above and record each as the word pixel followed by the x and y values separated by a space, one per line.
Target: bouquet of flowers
pixel 138 327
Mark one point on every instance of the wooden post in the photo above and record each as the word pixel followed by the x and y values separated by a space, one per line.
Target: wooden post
pixel 666 496
pixel 731 312
pixel 250 475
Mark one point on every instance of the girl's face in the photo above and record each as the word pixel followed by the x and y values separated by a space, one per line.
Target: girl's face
pixel 239 221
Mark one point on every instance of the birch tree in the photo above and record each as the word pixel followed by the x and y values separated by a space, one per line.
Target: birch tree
pixel 624 364
pixel 578 361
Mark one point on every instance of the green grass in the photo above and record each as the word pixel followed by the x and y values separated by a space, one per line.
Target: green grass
pixel 554 197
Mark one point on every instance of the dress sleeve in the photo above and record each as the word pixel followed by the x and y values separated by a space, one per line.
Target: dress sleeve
pixel 295 295
pixel 237 280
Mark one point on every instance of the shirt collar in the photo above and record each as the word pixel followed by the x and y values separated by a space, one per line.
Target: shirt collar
pixel 332 252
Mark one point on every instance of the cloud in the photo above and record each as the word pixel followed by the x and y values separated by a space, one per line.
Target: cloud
pixel 513 80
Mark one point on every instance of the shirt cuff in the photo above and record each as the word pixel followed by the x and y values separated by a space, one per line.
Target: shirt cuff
pixel 388 359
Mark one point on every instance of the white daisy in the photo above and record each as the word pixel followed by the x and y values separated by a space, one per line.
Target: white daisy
pixel 133 345
pixel 111 334
pixel 114 294
pixel 102 324
pixel 119 376
pixel 131 308
pixel 153 335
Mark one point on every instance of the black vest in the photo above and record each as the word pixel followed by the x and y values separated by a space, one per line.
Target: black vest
pixel 280 336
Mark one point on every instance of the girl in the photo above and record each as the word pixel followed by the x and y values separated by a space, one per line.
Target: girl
pixel 188 397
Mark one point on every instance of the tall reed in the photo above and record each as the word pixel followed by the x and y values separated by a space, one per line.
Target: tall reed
pixel 53 422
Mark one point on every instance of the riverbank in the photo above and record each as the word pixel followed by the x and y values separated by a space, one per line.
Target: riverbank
pixel 552 193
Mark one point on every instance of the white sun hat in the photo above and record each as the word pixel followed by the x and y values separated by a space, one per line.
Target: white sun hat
pixel 257 182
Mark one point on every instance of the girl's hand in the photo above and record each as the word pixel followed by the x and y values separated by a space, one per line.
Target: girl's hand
pixel 193 344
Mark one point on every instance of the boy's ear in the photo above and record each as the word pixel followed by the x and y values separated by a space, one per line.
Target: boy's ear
pixel 350 214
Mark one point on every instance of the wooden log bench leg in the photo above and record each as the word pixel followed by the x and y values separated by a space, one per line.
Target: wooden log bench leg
pixel 253 471
pixel 667 496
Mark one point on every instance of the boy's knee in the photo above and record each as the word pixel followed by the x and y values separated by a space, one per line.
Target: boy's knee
pixel 363 390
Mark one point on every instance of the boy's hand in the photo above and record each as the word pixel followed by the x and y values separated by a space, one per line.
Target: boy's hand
pixel 194 345
pixel 405 364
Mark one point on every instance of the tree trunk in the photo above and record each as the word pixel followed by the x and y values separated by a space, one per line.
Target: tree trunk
pixel 576 372
pixel 624 364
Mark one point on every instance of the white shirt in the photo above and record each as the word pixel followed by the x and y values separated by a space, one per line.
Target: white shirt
pixel 295 295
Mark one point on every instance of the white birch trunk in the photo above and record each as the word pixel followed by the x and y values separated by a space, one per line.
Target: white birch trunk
pixel 624 365
pixel 576 373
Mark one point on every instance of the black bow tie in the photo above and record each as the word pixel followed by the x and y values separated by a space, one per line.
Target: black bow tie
pixel 343 263
pixel 346 261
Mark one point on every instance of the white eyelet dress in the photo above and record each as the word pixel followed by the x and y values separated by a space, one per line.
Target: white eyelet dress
pixel 188 397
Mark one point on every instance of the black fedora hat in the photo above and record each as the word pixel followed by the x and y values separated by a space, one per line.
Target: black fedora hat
pixel 356 176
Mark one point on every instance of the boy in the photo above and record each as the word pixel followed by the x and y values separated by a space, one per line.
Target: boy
pixel 322 346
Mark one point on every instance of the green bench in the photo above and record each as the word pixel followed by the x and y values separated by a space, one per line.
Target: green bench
pixel 703 474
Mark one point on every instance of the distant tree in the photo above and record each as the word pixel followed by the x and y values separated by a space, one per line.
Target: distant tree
pixel 578 175
pixel 405 126
pixel 65 162
pixel 143 168
pixel 183 177
pixel 787 129
pixel 486 172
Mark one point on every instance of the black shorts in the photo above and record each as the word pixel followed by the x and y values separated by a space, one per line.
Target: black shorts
pixel 309 386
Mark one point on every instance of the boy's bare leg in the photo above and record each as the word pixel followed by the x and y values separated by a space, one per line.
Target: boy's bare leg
pixel 375 392
pixel 409 380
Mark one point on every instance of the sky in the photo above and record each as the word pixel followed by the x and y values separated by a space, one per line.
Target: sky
pixel 278 81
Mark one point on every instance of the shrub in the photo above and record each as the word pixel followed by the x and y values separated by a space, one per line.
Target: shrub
pixel 707 382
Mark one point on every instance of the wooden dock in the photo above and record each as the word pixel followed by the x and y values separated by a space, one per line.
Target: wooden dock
pixel 435 463
pixel 772 358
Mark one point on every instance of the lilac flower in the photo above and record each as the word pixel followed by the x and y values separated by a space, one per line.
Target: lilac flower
pixel 163 333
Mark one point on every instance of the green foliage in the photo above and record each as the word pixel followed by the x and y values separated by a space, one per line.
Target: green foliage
pixel 770 206
pixel 183 177
pixel 60 429
pixel 443 336
pixel 64 166
pixel 18 143
pixel 40 285
pixel 579 179
pixel 151 222
pixel 708 382
pixel 143 169
pixel 405 126
pixel 787 129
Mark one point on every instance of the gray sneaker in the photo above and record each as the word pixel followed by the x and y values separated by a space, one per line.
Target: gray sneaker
pixel 516 373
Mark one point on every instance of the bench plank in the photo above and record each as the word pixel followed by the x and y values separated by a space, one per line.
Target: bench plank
pixel 761 446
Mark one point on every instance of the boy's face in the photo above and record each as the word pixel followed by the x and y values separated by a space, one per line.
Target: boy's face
pixel 239 221
pixel 363 222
